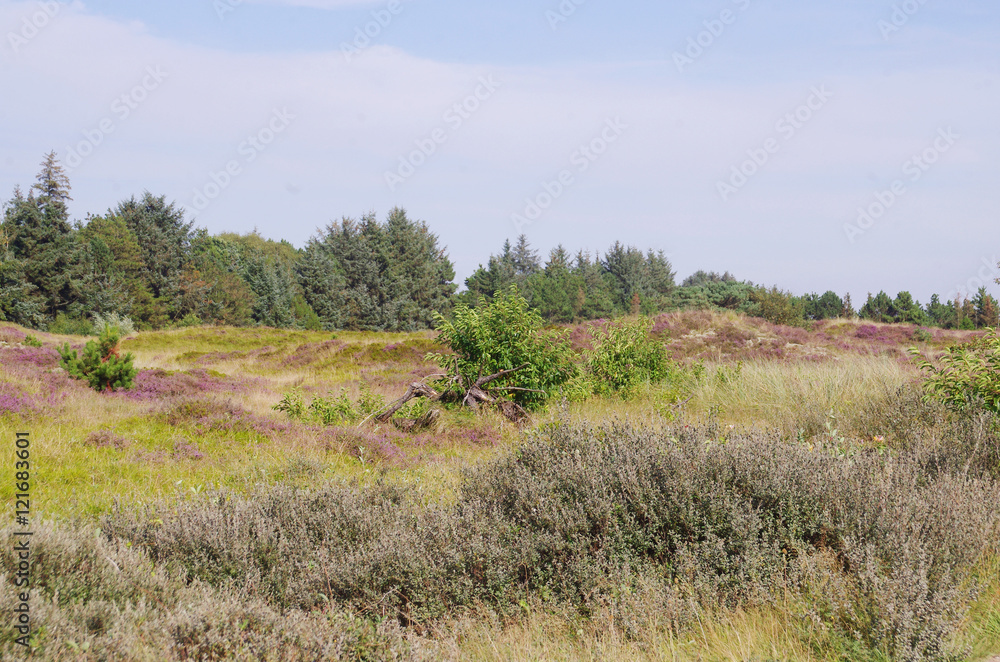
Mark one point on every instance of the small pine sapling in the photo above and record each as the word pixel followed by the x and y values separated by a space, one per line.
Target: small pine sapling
pixel 104 368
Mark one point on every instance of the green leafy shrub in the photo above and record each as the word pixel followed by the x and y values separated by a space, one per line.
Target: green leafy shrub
pixel 369 403
pixel 293 404
pixel 333 411
pixel 71 326
pixel 31 341
pixel 625 356
pixel 969 374
pixel 324 411
pixel 503 335
pixel 101 365
pixel 190 320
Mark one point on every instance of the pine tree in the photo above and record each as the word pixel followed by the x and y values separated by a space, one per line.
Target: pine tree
pixel 391 276
pixel 847 311
pixel 986 309
pixel 42 241
pixel 165 241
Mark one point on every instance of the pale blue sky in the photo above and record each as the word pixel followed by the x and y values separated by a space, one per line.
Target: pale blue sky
pixel 334 126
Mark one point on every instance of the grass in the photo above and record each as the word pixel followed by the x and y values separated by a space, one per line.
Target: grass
pixel 206 421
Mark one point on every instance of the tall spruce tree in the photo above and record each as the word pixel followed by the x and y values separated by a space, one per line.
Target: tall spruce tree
pixel 41 240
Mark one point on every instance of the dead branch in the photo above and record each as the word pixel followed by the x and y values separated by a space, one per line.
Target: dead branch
pixel 475 395
pixel 414 390
pixel 483 381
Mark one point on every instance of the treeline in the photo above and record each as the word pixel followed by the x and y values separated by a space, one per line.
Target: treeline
pixel 625 280
pixel 142 260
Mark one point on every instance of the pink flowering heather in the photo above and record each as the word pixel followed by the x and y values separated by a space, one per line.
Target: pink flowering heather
pixel 160 384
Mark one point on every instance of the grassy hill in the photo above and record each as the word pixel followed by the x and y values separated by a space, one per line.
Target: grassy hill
pixel 197 450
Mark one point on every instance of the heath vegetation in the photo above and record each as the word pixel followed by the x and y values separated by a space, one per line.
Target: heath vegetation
pixel 270 453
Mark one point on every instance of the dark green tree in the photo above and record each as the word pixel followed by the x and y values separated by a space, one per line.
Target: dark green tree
pixel 878 308
pixel 41 239
pixel 821 307
pixel 164 239
pixel 389 276
pixel 941 314
pixel 906 310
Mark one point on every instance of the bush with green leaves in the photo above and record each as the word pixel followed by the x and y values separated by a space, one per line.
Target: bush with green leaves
pixel 502 335
pixel 330 410
pixel 104 368
pixel 625 357
pixel 968 375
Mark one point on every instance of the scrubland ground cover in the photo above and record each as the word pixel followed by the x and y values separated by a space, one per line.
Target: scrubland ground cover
pixel 786 494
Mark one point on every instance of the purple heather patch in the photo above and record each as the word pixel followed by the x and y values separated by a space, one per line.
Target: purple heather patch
pixel 866 332
pixel 13 404
pixel 11 335
pixel 209 416
pixel 37 357
pixel 184 449
pixel 160 384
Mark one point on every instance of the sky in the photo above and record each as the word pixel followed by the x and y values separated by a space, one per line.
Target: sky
pixel 841 145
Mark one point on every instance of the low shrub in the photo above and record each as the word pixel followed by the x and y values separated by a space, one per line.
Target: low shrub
pixel 969 374
pixel 504 334
pixel 624 357
pixel 878 546
pixel 71 326
pixel 101 365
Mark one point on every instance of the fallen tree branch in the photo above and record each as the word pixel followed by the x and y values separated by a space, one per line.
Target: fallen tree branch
pixel 483 381
pixel 414 390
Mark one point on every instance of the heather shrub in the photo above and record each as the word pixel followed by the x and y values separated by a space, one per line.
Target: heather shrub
pixel 101 365
pixel 580 513
pixel 204 416
pixel 107 439
pixel 97 598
